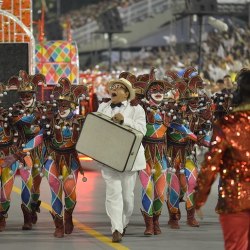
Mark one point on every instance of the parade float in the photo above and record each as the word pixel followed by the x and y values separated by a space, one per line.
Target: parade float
pixel 54 59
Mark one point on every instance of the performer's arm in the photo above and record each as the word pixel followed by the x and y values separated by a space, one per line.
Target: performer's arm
pixel 138 121
pixel 210 167
pixel 34 142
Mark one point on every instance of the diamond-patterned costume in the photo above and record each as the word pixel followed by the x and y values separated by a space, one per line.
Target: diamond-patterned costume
pixel 8 173
pixel 153 178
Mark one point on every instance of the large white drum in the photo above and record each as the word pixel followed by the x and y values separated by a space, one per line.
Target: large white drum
pixel 109 143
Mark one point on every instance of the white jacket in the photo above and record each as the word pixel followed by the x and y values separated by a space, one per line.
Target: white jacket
pixel 134 117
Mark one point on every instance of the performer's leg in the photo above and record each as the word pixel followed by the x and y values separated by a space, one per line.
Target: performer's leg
pixel 218 201
pixel 183 184
pixel 128 186
pixel 55 183
pixel 36 183
pixel 38 159
pixel 183 181
pixel 235 227
pixel 146 179
pixel 7 179
pixel 114 199
pixel 178 158
pixel 173 197
pixel 191 176
pixel 159 195
pixel 159 177
pixel 25 174
pixel 35 204
pixel 3 217
pixel 69 187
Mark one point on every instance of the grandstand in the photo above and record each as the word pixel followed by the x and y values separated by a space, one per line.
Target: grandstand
pixel 161 33
pixel 153 24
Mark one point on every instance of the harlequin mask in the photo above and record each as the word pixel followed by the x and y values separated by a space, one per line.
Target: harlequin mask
pixel 193 104
pixel 156 92
pixel 27 99
pixel 64 108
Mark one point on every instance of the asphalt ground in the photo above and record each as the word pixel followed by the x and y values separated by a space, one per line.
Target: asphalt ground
pixel 92 225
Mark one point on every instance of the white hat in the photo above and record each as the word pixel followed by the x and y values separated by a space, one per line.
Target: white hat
pixel 124 82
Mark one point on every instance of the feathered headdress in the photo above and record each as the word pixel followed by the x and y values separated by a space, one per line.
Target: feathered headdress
pixel 178 82
pixel 195 84
pixel 189 85
pixel 65 91
pixel 141 83
pixel 25 82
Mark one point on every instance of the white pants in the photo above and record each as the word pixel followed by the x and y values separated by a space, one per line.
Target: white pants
pixel 119 197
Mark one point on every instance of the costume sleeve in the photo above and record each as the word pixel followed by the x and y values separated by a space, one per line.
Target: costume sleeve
pixel 101 107
pixel 210 167
pixel 137 120
pixel 34 142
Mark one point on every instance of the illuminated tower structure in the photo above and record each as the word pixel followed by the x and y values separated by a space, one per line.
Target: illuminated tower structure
pixel 16 36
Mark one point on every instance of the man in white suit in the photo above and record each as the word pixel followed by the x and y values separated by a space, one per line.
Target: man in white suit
pixel 120 185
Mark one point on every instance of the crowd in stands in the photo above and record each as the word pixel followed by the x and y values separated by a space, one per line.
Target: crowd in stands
pixel 224 54
pixel 88 13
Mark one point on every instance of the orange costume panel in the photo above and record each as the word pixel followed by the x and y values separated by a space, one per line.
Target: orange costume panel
pixel 229 156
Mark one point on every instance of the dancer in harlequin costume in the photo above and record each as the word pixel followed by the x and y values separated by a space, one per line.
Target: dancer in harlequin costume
pixel 199 117
pixel 24 118
pixel 153 178
pixel 182 178
pixel 62 164
pixel 8 173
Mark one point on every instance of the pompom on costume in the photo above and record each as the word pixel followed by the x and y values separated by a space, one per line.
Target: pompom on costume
pixel 222 103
